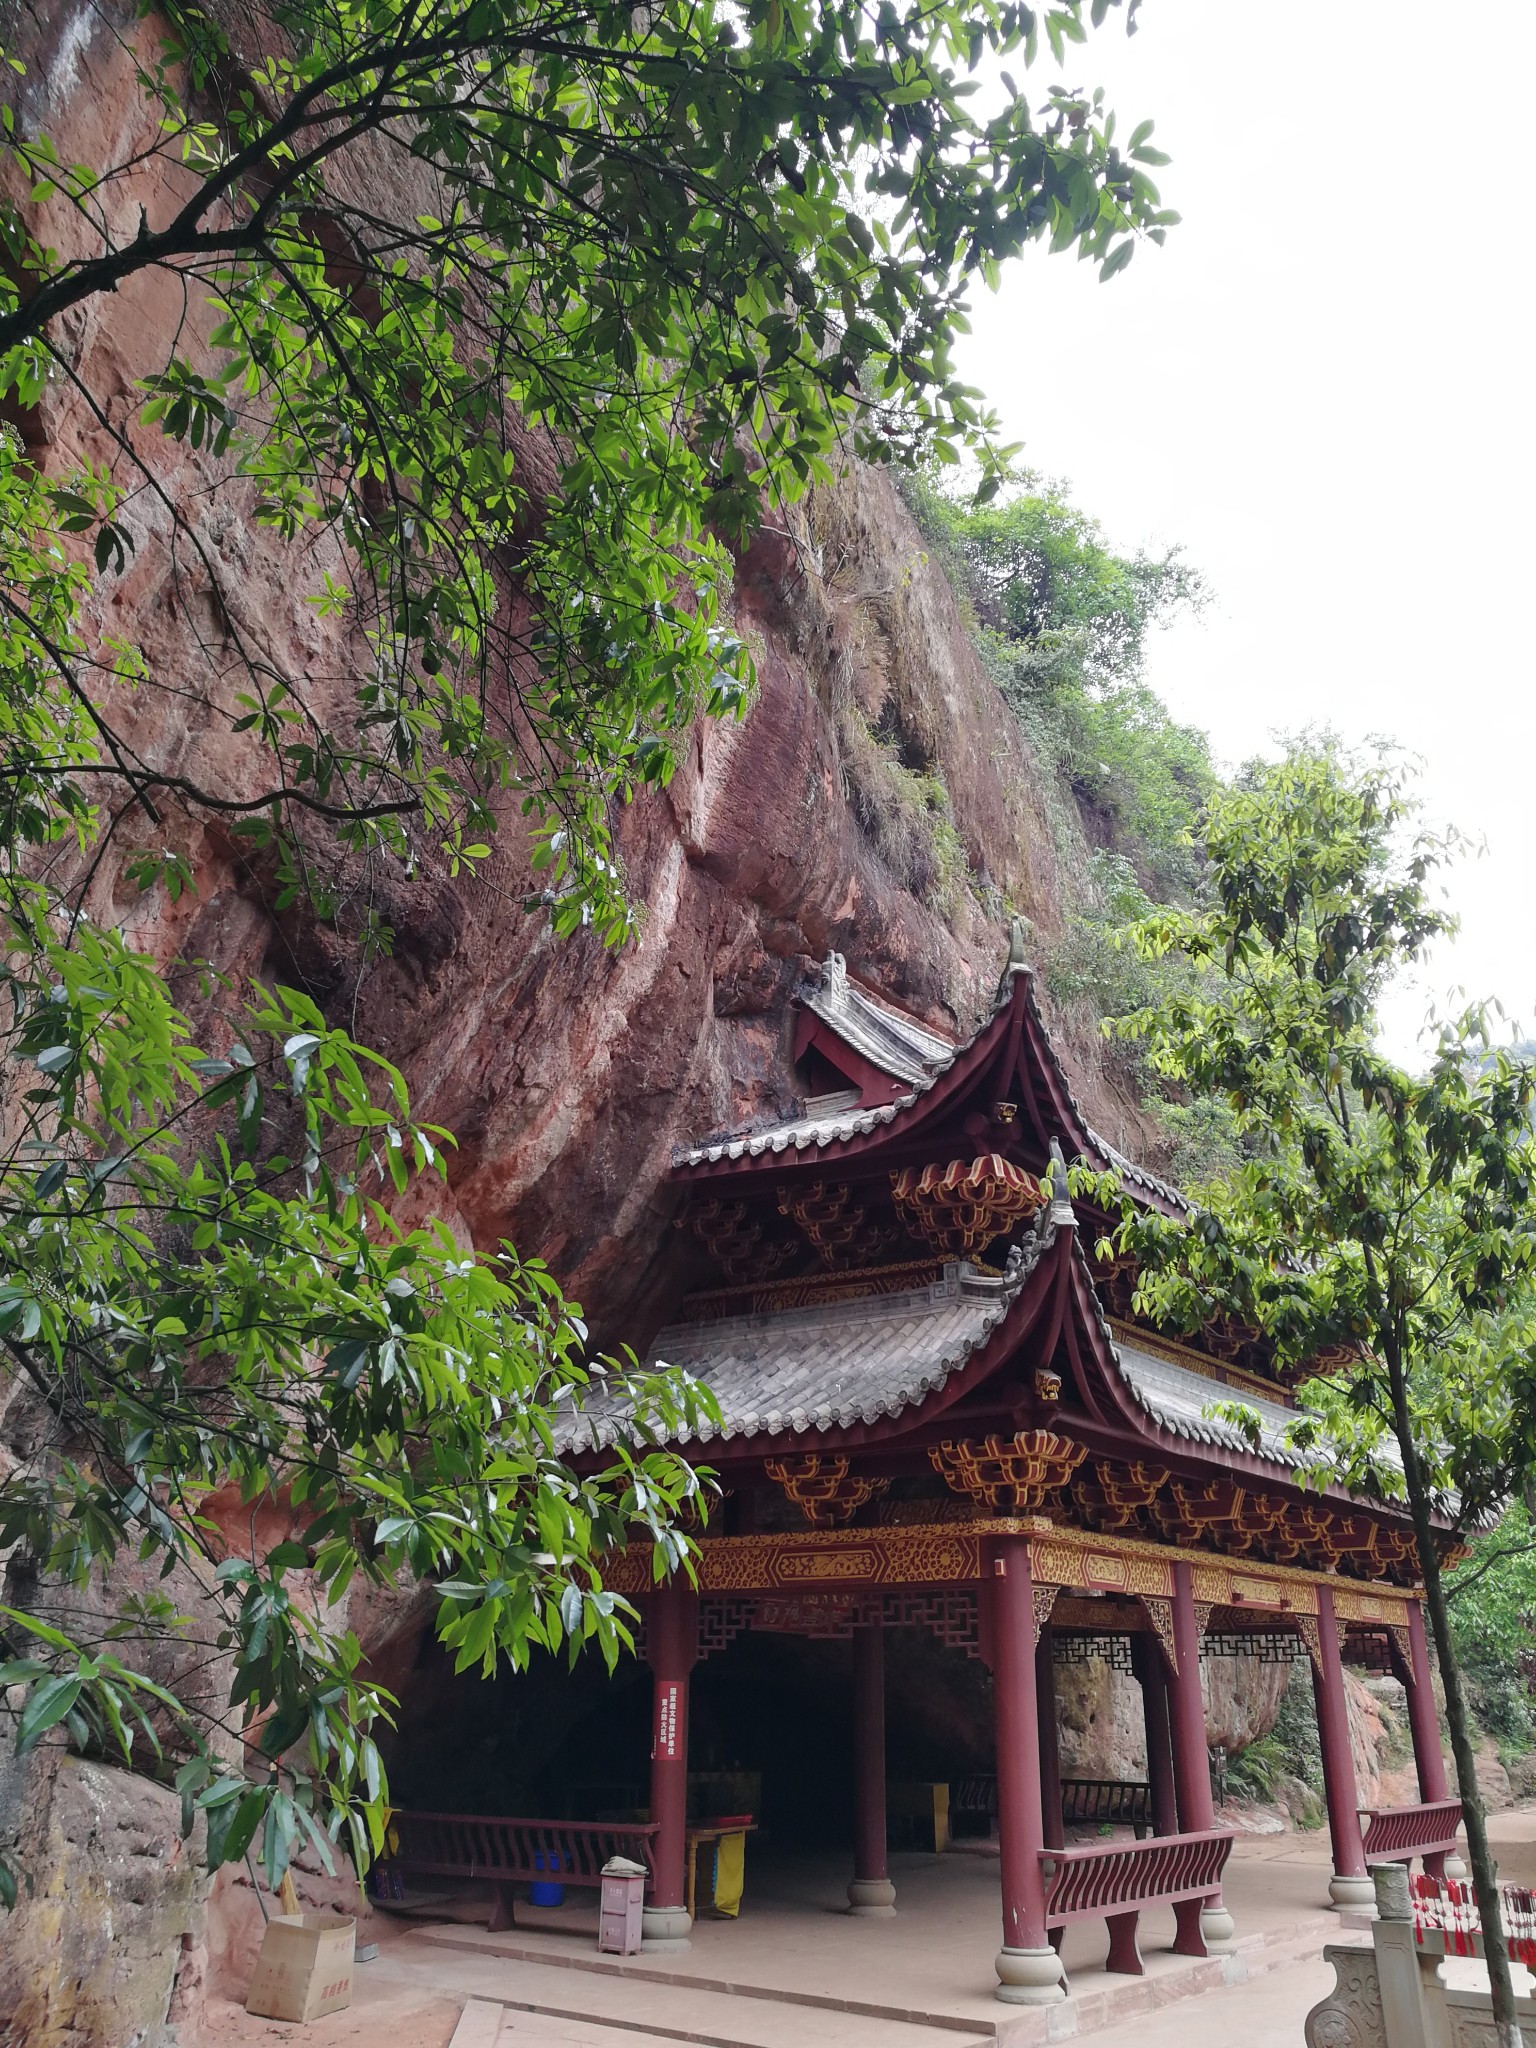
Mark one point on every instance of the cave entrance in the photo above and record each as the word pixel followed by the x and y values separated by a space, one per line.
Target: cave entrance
pixel 771 1732
pixel 557 1741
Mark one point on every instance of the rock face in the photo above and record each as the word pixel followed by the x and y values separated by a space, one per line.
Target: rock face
pixel 90 1959
pixel 1242 1700
pixel 1099 1713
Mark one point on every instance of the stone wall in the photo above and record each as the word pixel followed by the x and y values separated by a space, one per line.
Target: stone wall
pixel 114 1908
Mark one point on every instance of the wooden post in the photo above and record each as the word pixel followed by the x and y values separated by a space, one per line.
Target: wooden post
pixel 1147 1662
pixel 1349 1886
pixel 1027 1966
pixel 871 1895
pixel 1428 1756
pixel 672 1643
pixel 1050 1743
pixel 1192 1759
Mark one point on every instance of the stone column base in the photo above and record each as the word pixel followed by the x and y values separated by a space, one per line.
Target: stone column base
pixel 1218 1930
pixel 1455 1867
pixel 872 1898
pixel 665 1929
pixel 1029 1976
pixel 1352 1894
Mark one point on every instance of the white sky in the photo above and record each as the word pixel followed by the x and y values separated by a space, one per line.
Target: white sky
pixel 1321 387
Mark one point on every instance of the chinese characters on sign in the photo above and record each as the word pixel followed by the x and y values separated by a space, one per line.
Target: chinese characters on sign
pixel 668 1714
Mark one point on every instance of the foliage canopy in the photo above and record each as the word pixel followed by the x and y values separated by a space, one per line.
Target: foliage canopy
pixel 1064 622
pixel 1387 1216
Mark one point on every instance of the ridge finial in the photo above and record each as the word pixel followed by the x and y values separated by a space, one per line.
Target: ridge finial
pixel 1020 931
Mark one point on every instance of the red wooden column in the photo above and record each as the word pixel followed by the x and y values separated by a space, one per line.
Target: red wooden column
pixel 1050 1744
pixel 1349 1886
pixel 1191 1753
pixel 672 1647
pixel 1147 1663
pixel 871 1894
pixel 1428 1756
pixel 1027 1966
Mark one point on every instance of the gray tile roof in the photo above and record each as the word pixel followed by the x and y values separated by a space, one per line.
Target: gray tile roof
pixel 901 1047
pixel 833 1365
pixel 1177 1398
pixel 896 1043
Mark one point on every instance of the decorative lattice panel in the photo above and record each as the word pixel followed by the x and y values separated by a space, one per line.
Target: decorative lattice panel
pixel 1270 1646
pixel 1368 1650
pixel 952 1617
pixel 1115 1651
pixel 721 1620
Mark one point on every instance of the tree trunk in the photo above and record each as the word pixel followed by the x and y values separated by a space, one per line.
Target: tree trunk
pixel 1484 1879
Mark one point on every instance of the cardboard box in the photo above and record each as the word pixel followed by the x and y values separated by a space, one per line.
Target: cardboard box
pixel 304 1968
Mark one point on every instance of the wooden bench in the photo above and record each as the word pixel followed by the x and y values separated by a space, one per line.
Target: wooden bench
pixel 1396 1834
pixel 1116 1881
pixel 1085 1802
pixel 504 1853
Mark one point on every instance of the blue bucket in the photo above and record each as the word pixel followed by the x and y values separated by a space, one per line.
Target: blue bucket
pixel 541 1892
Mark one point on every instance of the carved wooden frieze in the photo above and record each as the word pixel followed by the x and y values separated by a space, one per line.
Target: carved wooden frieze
pixel 736 1239
pixel 821 1485
pixel 1160 1614
pixel 835 1221
pixel 1118 1496
pixel 960 1208
pixel 938 1553
pixel 1020 1472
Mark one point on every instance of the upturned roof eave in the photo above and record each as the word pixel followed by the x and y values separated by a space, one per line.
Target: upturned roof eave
pixel 857 1132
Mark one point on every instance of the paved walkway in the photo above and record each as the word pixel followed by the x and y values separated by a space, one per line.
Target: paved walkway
pixel 796 1972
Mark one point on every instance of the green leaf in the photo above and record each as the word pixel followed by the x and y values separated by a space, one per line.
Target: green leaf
pixel 47 1704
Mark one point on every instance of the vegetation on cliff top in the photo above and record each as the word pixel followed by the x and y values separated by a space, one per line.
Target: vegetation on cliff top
pixel 1062 620
pixel 675 255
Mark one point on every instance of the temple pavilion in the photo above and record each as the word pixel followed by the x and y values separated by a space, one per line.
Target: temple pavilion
pixel 937 1408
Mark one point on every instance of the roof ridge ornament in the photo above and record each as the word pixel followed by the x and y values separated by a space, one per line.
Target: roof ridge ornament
pixel 1063 1215
pixel 1020 931
pixel 834 976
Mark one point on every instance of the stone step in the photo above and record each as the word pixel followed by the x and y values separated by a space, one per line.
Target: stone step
pixel 479 2025
pixel 480 1941
pixel 1097 2000
pixel 594 2003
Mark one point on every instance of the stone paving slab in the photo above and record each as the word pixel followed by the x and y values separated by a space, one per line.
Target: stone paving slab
pixel 924 1975
pixel 934 1961
pixel 714 2018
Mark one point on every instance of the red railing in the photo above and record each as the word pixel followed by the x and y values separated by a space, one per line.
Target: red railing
pixel 1084 1883
pixel 1084 1801
pixel 1114 1882
pixel 1395 1834
pixel 512 1851
pixel 1112 1802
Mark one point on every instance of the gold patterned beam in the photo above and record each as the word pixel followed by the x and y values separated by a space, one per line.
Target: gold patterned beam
pixel 951 1553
